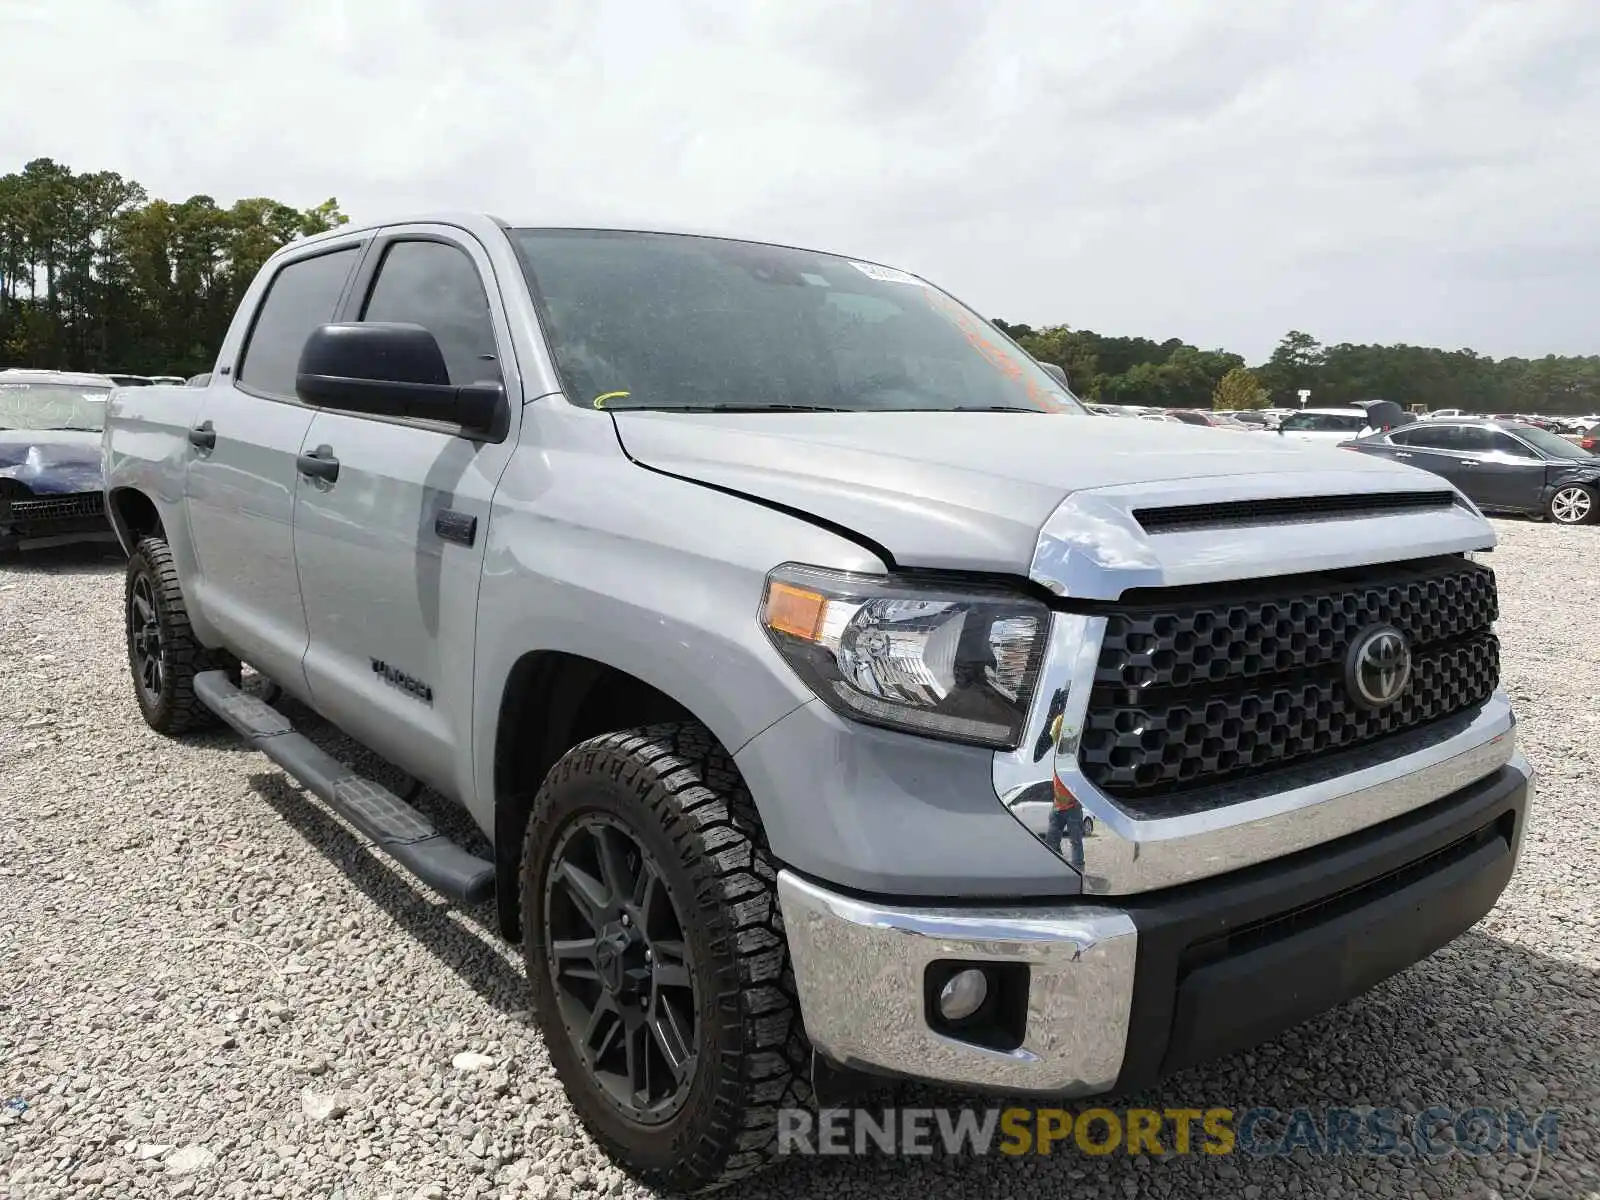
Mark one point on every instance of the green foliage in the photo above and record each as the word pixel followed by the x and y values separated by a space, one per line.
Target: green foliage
pixel 1122 370
pixel 1238 390
pixel 1173 374
pixel 1436 378
pixel 94 275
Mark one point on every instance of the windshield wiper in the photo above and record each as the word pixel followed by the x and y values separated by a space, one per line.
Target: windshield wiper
pixel 986 408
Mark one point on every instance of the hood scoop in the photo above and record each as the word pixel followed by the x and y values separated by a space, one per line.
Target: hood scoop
pixel 1287 510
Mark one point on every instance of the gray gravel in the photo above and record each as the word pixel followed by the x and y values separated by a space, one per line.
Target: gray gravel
pixel 210 987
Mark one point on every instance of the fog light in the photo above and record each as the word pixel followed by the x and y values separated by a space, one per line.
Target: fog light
pixel 963 994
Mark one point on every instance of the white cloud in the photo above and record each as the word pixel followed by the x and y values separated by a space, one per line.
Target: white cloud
pixel 1365 171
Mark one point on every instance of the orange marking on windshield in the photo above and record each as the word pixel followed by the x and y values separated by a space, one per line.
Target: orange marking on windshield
pixel 992 351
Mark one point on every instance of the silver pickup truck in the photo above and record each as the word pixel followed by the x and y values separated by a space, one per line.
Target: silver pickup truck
pixel 840 699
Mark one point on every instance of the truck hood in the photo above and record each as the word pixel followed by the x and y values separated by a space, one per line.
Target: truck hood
pixel 51 461
pixel 975 491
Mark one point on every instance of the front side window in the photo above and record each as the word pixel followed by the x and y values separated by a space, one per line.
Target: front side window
pixel 1504 443
pixel 52 405
pixel 665 321
pixel 302 295
pixel 436 286
pixel 1552 445
pixel 1476 439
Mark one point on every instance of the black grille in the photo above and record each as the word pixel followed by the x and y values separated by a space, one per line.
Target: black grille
pixel 52 508
pixel 1286 509
pixel 1200 685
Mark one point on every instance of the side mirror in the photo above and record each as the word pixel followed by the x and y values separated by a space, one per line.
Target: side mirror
pixel 1057 372
pixel 391 370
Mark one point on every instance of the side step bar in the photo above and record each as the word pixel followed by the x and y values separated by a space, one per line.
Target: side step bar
pixel 400 831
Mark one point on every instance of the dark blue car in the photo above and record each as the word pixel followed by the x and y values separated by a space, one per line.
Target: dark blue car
pixel 50 483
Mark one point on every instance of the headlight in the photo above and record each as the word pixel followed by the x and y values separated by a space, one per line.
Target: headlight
pixel 956 663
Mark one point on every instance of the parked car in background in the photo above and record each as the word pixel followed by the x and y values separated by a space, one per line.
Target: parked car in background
pixel 131 380
pixel 1444 414
pixel 1331 425
pixel 1591 440
pixel 1501 466
pixel 199 380
pixel 1335 425
pixel 50 482
pixel 1254 418
pixel 1200 416
pixel 170 380
pixel 1383 415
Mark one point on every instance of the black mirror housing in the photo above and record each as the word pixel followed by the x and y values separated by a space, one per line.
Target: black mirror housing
pixel 390 369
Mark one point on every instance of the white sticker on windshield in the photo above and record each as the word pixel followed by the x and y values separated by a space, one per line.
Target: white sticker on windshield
pixel 886 274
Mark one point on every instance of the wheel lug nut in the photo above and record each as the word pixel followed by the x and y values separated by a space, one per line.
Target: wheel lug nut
pixel 649 957
pixel 626 920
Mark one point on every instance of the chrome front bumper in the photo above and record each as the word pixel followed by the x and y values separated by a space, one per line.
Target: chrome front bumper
pixel 860 966
pixel 1207 961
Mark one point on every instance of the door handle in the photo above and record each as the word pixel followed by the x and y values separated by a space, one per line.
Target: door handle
pixel 1401 454
pixel 319 464
pixel 203 437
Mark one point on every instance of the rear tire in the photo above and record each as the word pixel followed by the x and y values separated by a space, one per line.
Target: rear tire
pixel 1573 504
pixel 666 808
pixel 163 654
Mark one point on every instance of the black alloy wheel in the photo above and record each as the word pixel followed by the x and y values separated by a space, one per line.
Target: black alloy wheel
pixel 144 641
pixel 657 961
pixel 621 969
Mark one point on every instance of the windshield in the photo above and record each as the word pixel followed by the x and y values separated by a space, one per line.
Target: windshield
pixel 667 321
pixel 52 406
pixel 1552 444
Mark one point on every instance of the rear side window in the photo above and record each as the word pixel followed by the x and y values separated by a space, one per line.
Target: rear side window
pixel 302 295
pixel 436 286
pixel 1432 437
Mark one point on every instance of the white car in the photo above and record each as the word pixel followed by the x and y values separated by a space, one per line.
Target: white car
pixel 1353 420
pixel 1331 425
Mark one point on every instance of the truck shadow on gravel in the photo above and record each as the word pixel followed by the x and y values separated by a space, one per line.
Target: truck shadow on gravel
pixel 1482 1022
pixel 87 559
pixel 472 952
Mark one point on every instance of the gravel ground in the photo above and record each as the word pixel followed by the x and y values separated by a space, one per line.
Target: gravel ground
pixel 209 986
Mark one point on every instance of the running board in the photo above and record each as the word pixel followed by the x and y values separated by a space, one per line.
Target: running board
pixel 399 830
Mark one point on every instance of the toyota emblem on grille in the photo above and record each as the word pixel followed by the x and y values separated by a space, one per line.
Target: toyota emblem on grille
pixel 1378 666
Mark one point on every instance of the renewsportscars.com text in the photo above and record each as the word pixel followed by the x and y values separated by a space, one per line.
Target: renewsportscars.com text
pixel 1257 1132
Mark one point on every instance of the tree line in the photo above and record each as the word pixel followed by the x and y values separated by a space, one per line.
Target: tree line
pixel 95 275
pixel 1173 374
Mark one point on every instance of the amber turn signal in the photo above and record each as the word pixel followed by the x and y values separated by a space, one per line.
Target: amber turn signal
pixel 795 611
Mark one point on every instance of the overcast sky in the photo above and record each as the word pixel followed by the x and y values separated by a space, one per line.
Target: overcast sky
pixel 1425 171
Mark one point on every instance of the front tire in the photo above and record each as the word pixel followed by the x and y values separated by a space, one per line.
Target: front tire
pixel 163 654
pixel 656 956
pixel 1572 504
